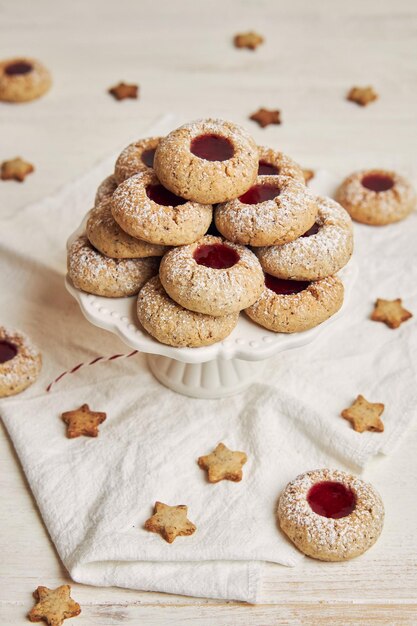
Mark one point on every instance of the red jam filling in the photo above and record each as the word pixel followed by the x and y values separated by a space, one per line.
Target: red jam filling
pixel 212 148
pixel 267 169
pixel 377 182
pixel 218 256
pixel 7 351
pixel 161 195
pixel 260 193
pixel 311 231
pixel 20 67
pixel 148 157
pixel 285 287
pixel 331 499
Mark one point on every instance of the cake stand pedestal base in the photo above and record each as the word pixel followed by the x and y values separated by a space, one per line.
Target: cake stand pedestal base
pixel 213 379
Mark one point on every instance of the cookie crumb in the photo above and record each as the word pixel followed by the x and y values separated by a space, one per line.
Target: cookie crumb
pixel 391 312
pixel 308 175
pixel 265 117
pixel 364 415
pixel 124 90
pixel 82 421
pixel 362 95
pixel 16 169
pixel 53 606
pixel 170 521
pixel 223 464
pixel 250 40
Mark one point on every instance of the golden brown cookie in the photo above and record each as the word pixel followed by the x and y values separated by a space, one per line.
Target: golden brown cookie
pixel 95 273
pixel 308 175
pixel 15 169
pixel 250 40
pixel 377 197
pixel 53 606
pixel 289 306
pixel 265 117
pixel 105 234
pixel 105 189
pixel 20 362
pixel 331 515
pixel 23 79
pixel 223 464
pixel 273 163
pixel 207 161
pixel 212 276
pixel 391 312
pixel 170 522
pixel 136 157
pixel 145 209
pixel 322 251
pixel 83 421
pixel 272 212
pixel 362 95
pixel 121 91
pixel 364 415
pixel 172 324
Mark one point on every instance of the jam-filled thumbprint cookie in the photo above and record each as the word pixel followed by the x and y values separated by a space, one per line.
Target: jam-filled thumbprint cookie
pixel 273 211
pixel 95 273
pixel 207 161
pixel 291 306
pixel 23 79
pixel 145 209
pixel 170 323
pixel 273 163
pixel 331 515
pixel 212 276
pixel 20 362
pixel 322 251
pixel 136 157
pixel 377 197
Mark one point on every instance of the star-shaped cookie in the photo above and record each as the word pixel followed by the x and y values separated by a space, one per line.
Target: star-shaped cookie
pixel 362 95
pixel 82 421
pixel 16 169
pixel 170 521
pixel 250 40
pixel 265 117
pixel 391 312
pixel 53 605
pixel 223 464
pixel 308 175
pixel 364 415
pixel 123 91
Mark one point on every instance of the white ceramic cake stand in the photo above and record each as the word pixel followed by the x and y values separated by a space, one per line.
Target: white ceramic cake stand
pixel 216 371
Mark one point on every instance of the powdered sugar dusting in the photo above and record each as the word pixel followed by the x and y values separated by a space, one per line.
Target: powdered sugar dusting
pixel 22 370
pixel 130 162
pixel 286 165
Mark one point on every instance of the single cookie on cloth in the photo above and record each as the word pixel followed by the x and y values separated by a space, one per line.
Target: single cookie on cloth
pixel 390 312
pixel 23 79
pixel 20 362
pixel 272 212
pixel 364 415
pixel 265 117
pixel 212 276
pixel 95 273
pixel 322 251
pixel 136 157
pixel 172 324
pixel 331 515
pixel 105 189
pixel 170 522
pixel 108 238
pixel 147 210
pixel 223 464
pixel 16 169
pixel 377 197
pixel 290 306
pixel 207 161
pixel 273 163
pixel 53 606
pixel 83 421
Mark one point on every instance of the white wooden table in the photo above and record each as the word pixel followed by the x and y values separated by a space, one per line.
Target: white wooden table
pixel 180 53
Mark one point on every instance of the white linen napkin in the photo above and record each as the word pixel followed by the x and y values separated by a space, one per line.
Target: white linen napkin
pixel 95 494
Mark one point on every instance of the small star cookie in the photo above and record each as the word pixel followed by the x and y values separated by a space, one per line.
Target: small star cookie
pixel 391 312
pixel 250 40
pixel 364 415
pixel 82 421
pixel 53 605
pixel 170 521
pixel 123 91
pixel 265 117
pixel 223 464
pixel 308 175
pixel 15 169
pixel 362 95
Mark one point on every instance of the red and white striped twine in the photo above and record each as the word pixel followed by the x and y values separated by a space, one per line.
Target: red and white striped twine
pixel 93 362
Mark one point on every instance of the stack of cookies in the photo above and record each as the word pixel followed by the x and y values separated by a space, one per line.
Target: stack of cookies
pixel 203 224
